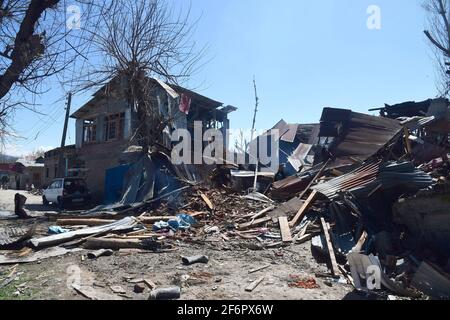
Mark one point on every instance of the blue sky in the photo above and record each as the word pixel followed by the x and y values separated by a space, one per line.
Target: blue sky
pixel 305 55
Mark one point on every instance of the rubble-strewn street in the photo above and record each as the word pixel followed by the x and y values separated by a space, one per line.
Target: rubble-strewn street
pixel 224 150
pixel 227 274
pixel 367 221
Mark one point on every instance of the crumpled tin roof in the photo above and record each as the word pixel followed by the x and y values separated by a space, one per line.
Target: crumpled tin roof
pixel 358 136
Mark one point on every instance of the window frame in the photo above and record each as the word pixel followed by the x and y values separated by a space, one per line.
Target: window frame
pixel 116 121
pixel 89 131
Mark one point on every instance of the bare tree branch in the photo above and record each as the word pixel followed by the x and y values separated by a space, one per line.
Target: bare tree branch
pixel 439 36
pixel 140 40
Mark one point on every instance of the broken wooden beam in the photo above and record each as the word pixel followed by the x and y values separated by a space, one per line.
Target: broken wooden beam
pixel 284 228
pixel 150 283
pixel 151 220
pixel 262 212
pixel 302 211
pixel 326 231
pixel 113 244
pixel 207 201
pixel 259 269
pixel 254 223
pixel 83 222
pixel 252 286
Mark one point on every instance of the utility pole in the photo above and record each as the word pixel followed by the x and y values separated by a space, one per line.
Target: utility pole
pixel 62 165
pixel 256 108
pixel 66 120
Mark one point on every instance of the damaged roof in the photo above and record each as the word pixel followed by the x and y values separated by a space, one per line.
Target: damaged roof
pixel 172 90
pixel 430 107
pixel 289 132
pixel 357 136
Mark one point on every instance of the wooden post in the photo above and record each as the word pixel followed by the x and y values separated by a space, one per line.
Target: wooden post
pixel 284 228
pixel 326 231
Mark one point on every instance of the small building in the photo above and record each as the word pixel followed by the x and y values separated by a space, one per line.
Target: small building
pixel 11 175
pixel 33 174
pixel 58 162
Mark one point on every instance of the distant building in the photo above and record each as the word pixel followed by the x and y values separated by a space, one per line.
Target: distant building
pixel 33 174
pixel 22 174
pixel 11 175
pixel 54 158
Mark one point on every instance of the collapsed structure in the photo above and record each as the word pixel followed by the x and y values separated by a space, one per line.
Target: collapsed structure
pixel 367 191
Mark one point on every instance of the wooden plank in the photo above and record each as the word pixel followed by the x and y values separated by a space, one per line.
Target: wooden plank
pixel 259 269
pixel 262 212
pixel 93 294
pixel 114 244
pixel 284 228
pixel 302 232
pixel 254 223
pixel 83 222
pixel 207 201
pixel 326 231
pixel 252 286
pixel 151 220
pixel 150 283
pixel 302 211
pixel 305 238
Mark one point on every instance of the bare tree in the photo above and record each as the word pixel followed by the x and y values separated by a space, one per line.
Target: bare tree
pixel 439 37
pixel 140 40
pixel 35 45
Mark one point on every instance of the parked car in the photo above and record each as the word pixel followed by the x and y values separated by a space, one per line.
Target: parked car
pixel 67 192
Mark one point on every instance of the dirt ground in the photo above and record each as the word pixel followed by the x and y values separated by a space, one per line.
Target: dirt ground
pixel 225 276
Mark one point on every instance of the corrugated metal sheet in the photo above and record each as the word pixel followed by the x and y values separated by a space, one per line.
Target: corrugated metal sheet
pixel 395 174
pixel 11 235
pixel 415 123
pixel 355 179
pixel 387 175
pixel 359 136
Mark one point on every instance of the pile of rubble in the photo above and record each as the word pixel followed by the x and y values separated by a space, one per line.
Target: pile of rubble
pixel 362 189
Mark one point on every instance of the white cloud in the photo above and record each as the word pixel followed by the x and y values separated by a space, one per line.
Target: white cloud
pixel 18 150
pixel 11 149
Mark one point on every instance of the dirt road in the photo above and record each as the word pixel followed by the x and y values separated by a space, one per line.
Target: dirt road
pixel 33 205
pixel 225 276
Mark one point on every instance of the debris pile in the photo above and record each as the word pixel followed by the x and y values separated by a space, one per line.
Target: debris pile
pixel 362 189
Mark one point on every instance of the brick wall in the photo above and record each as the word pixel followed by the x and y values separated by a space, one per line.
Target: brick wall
pixel 97 158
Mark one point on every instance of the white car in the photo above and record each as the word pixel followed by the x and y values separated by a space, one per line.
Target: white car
pixel 67 191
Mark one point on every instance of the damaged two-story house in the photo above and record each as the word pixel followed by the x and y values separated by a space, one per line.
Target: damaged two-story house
pixel 106 125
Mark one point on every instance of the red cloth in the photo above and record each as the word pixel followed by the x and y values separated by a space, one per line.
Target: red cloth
pixel 185 103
